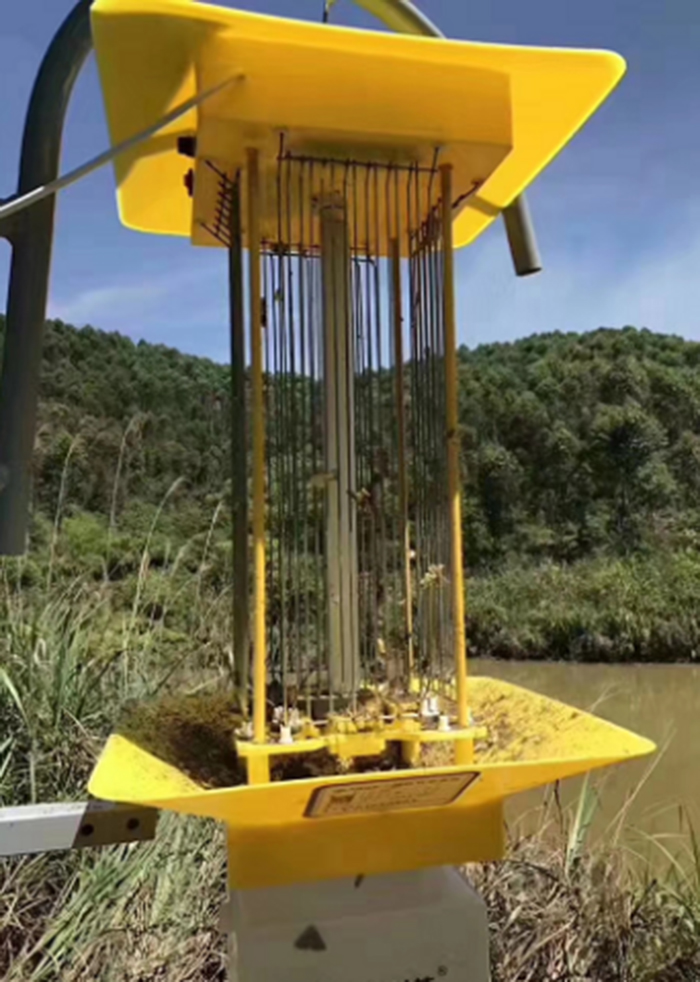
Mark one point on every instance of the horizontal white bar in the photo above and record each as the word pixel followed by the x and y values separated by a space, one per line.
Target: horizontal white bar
pixel 47 828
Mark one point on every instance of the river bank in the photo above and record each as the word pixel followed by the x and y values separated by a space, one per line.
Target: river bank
pixel 644 608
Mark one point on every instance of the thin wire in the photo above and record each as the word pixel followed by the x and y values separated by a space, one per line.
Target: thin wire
pixel 322 359
pixel 429 425
pixel 413 405
pixel 380 489
pixel 278 281
pixel 380 202
pixel 352 444
pixel 392 518
pixel 436 430
pixel 320 559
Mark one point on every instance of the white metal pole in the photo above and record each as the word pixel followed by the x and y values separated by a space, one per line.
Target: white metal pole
pixel 339 435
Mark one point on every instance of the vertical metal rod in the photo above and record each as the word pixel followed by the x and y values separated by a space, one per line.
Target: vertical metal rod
pixel 379 489
pixel 401 434
pixel 291 658
pixel 362 440
pixel 281 424
pixel 431 594
pixel 396 665
pixel 339 377
pixel 319 579
pixel 352 561
pixel 239 455
pixel 258 415
pixel 437 416
pixel 272 574
pixel 416 476
pixel 316 180
pixel 462 747
pixel 302 447
pixel 425 550
pixel 277 434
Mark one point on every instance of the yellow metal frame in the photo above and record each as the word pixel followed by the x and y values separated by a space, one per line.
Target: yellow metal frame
pixel 498 113
pixel 350 745
pixel 258 414
pixel 452 440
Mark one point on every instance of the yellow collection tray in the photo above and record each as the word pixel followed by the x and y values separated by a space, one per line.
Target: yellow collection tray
pixel 328 827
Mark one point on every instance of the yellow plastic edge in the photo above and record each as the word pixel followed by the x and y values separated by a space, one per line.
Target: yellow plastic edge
pixel 566 742
pixel 147 68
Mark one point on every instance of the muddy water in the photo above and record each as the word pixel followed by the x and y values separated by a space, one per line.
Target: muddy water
pixel 661 702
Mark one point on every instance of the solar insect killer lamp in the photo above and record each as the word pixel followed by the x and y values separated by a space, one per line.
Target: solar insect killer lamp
pixel 341 170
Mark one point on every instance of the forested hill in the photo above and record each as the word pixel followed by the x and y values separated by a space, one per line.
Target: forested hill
pixel 571 443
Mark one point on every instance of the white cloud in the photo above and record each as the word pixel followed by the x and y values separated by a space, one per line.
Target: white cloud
pixel 654 284
pixel 141 308
pixel 591 278
pixel 91 306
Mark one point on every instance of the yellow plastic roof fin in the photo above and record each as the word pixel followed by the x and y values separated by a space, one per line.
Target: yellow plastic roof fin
pixel 498 113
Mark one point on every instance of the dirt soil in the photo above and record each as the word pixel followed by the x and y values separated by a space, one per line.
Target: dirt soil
pixel 196 734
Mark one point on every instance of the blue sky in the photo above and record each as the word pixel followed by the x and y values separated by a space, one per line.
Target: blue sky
pixel 617 214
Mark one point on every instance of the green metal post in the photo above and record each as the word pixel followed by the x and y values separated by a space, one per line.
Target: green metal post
pixel 31 236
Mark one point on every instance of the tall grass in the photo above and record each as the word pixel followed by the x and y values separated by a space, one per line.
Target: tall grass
pixel 641 609
pixel 121 913
pixel 73 649
pixel 76 645
pixel 566 909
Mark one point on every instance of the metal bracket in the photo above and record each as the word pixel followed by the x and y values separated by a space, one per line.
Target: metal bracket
pixel 32 829
pixel 8 226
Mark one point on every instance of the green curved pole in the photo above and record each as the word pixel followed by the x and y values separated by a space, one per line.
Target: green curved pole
pixel 31 236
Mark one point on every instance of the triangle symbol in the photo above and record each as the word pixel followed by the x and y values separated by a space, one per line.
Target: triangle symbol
pixel 310 940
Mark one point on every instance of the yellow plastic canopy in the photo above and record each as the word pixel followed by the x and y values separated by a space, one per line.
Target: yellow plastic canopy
pixel 499 114
pixel 275 837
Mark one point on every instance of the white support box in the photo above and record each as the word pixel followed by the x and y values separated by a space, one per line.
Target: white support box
pixel 406 927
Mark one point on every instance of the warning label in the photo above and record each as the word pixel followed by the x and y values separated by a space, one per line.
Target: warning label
pixel 392 795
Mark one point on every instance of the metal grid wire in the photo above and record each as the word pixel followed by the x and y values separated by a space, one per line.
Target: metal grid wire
pixel 392 606
pixel 220 227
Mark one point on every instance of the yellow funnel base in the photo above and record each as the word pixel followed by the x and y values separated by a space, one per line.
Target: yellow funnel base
pixel 497 113
pixel 329 827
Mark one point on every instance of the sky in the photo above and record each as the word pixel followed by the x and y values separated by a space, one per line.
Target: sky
pixel 617 214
